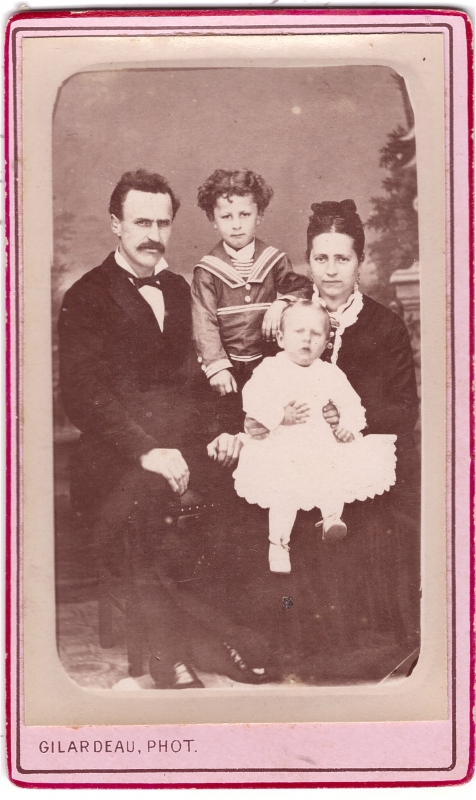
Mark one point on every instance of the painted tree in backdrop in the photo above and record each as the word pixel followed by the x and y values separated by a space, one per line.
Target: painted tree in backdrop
pixel 395 217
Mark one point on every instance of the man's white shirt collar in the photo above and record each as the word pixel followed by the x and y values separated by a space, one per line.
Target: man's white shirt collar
pixel 151 294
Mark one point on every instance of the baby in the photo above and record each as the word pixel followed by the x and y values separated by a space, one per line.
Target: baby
pixel 303 463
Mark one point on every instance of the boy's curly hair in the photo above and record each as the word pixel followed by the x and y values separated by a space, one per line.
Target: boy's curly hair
pixel 226 183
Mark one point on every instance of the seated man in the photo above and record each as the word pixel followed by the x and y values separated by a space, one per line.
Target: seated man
pixel 127 378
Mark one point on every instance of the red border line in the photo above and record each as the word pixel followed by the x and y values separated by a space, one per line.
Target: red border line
pixel 8 411
pixel 471 268
pixel 239 12
pixel 204 13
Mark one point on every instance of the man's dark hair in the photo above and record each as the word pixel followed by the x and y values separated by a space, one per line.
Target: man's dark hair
pixel 142 181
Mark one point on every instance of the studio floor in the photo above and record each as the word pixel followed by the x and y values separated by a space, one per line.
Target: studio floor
pixel 371 657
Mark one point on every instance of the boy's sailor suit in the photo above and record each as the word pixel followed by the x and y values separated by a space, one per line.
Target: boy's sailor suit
pixel 231 291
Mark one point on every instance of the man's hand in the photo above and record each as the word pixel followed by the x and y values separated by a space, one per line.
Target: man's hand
pixel 225 449
pixel 255 429
pixel 331 415
pixel 170 464
pixel 272 318
pixel 295 413
pixel 343 435
pixel 223 382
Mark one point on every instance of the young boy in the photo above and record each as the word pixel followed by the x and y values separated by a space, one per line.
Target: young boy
pixel 235 302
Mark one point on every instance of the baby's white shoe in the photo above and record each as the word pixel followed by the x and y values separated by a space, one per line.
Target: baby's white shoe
pixel 279 560
pixel 333 528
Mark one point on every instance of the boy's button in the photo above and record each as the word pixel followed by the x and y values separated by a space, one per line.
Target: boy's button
pixel 247 299
pixel 247 287
pixel 199 359
pixel 330 346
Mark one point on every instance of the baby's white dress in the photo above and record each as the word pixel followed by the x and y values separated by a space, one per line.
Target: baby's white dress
pixel 304 465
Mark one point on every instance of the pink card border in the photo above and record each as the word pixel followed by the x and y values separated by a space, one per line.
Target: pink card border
pixel 410 738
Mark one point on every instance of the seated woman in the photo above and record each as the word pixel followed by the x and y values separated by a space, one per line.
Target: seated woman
pixel 361 592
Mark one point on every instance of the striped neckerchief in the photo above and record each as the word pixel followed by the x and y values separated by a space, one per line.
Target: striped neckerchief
pixel 243 259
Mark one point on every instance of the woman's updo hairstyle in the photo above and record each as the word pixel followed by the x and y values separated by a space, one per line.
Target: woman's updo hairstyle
pixel 332 217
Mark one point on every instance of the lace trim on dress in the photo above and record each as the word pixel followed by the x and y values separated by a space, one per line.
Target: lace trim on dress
pixel 345 316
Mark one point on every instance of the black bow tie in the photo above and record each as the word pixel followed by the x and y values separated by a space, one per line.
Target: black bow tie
pixel 151 280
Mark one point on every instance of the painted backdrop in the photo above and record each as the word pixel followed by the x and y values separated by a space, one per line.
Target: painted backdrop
pixel 313 133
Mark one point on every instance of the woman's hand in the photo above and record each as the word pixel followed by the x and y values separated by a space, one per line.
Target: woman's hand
pixel 295 413
pixel 225 449
pixel 343 435
pixel 272 318
pixel 331 414
pixel 223 382
pixel 255 429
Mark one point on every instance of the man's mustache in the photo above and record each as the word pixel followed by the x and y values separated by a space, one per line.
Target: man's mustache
pixel 153 246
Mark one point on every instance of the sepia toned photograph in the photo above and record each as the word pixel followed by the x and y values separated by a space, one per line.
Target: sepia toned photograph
pixel 237 285
pixel 277 559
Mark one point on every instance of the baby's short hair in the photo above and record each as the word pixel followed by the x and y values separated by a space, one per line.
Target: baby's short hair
pixel 226 183
pixel 301 303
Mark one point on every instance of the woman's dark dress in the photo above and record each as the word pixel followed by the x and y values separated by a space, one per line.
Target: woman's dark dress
pixel 360 596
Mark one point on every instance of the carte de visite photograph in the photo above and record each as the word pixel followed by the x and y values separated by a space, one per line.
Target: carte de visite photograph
pixel 234 276
pixel 338 602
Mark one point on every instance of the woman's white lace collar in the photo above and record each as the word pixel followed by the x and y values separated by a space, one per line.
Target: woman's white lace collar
pixel 344 316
